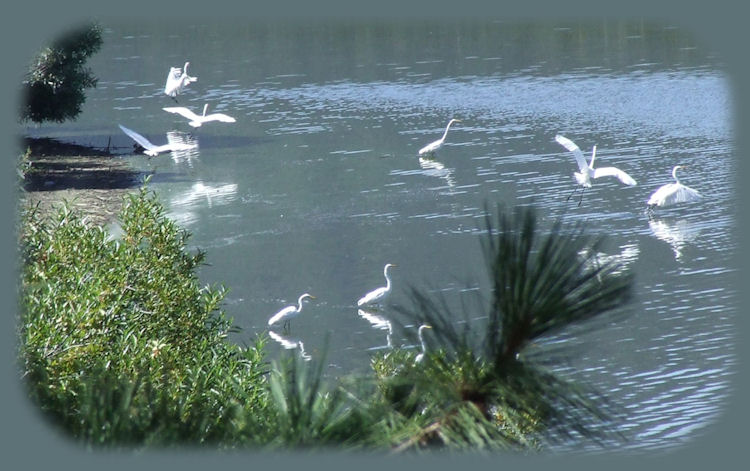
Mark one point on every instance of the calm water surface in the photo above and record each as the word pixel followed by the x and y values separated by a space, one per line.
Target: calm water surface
pixel 317 185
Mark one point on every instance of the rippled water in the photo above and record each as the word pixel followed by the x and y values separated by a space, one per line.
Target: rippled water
pixel 318 184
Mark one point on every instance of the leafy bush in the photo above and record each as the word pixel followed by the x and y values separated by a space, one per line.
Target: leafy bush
pixel 54 89
pixel 120 344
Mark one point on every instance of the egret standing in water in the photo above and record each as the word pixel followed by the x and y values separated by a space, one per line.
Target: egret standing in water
pixel 289 312
pixel 433 146
pixel 198 120
pixel 422 327
pixel 672 193
pixel 177 80
pixel 151 149
pixel 378 295
pixel 587 171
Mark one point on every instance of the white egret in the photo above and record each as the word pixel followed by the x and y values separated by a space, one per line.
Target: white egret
pixel 378 295
pixel 151 149
pixel 587 171
pixel 198 120
pixel 433 146
pixel 672 193
pixel 289 312
pixel 177 80
pixel 422 327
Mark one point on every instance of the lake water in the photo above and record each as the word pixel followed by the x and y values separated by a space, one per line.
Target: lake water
pixel 318 185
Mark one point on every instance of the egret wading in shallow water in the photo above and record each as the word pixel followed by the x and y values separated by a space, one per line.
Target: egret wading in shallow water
pixel 177 80
pixel 151 149
pixel 198 120
pixel 289 312
pixel 586 171
pixel 433 146
pixel 422 327
pixel 672 193
pixel 378 295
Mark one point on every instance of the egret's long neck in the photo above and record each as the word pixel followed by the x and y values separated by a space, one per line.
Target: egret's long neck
pixel 593 156
pixel 387 278
pixel 299 303
pixel 674 174
pixel 446 130
pixel 205 107
pixel 421 338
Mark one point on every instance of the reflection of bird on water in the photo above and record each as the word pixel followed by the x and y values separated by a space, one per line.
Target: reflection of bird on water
pixel 422 327
pixel 177 79
pixel 378 322
pixel 677 234
pixel 151 149
pixel 200 190
pixel 627 255
pixel 435 145
pixel 198 120
pixel 586 171
pixel 378 295
pixel 290 343
pixel 672 193
pixel 437 169
pixel 289 312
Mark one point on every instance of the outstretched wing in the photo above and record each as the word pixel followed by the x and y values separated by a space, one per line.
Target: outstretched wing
pixel 138 138
pixel 181 110
pixel 572 147
pixel 219 117
pixel 614 172
pixel 673 193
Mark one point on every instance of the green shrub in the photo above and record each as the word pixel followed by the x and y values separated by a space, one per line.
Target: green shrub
pixel 57 78
pixel 120 344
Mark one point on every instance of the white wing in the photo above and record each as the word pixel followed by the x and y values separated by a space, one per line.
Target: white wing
pixel 145 143
pixel 373 295
pixel 181 110
pixel 431 147
pixel 572 147
pixel 219 117
pixel 615 172
pixel 673 193
pixel 173 81
pixel 281 314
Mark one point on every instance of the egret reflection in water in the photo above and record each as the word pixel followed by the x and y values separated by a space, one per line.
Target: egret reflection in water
pixel 290 343
pixel 186 146
pixel 380 323
pixel 679 234
pixel 434 168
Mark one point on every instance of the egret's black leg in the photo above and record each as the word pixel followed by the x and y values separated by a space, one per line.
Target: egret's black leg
pixel 581 199
pixel 571 193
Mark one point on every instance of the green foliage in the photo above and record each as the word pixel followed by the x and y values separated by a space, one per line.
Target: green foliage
pixel 121 345
pixel 475 383
pixel 54 88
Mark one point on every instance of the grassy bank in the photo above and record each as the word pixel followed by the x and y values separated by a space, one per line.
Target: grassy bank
pixel 121 346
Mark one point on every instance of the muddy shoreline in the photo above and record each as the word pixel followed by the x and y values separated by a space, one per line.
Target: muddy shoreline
pixel 92 180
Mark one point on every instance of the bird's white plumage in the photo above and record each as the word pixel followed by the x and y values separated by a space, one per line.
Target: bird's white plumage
pixel 435 145
pixel 586 171
pixel 177 79
pixel 422 327
pixel 673 193
pixel 379 294
pixel 152 149
pixel 289 312
pixel 198 120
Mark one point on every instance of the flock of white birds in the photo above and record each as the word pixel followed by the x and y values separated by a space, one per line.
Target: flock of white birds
pixel 177 79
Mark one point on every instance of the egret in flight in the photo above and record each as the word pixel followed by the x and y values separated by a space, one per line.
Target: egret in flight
pixel 433 146
pixel 289 312
pixel 378 295
pixel 672 193
pixel 587 171
pixel 422 327
pixel 198 120
pixel 177 80
pixel 151 149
